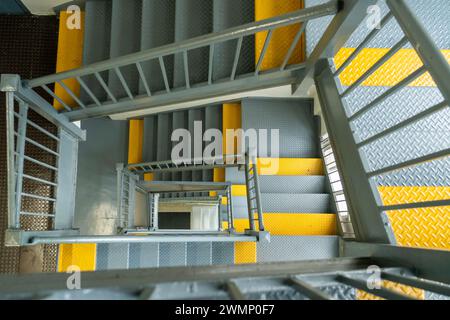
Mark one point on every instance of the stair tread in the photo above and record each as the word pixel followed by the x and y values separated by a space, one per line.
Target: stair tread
pixel 125 39
pixel 289 184
pixel 158 27
pixel 229 14
pixel 286 203
pixel 192 19
pixel 97 39
pixel 294 118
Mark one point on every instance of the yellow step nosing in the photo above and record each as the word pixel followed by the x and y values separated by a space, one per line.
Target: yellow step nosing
pixel 294 224
pixel 404 62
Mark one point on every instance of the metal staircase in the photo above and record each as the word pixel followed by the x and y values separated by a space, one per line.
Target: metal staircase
pixel 208 57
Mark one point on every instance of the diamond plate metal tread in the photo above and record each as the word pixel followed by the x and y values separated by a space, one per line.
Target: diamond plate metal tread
pixel 339 292
pixel 292 117
pixel 284 184
pixel 335 292
pixel 152 255
pixel 398 67
pixel 280 167
pixel 435 296
pixel 198 254
pixel 431 13
pixel 427 228
pixel 289 294
pixel 401 106
pixel 112 256
pixel 126 26
pixel 403 146
pixel 424 228
pixel 172 254
pixel 399 195
pixel 315 28
pixel 288 248
pixel 222 253
pixel 192 18
pixel 143 255
pixel 281 37
pixel 97 39
pixel 227 14
pixel 425 136
pixel 158 27
pixel 433 173
pixel 285 203
pixel 396 287
pixel 294 224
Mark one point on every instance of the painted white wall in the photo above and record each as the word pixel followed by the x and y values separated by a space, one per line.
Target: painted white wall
pixel 43 7
pixel 205 218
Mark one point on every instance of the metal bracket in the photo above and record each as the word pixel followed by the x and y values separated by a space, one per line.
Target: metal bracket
pixel 9 82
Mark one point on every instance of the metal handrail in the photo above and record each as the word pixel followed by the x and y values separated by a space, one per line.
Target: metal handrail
pixel 234 83
pixel 234 33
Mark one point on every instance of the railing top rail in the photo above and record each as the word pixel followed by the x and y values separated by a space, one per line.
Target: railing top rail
pixel 298 16
pixel 229 160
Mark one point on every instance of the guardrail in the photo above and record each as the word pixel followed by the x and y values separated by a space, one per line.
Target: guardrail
pixel 281 75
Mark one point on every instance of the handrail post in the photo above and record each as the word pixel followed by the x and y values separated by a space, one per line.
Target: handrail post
pixel 257 193
pixel 10 85
pixel 249 202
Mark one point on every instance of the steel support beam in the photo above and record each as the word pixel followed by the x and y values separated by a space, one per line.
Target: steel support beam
pixel 67 180
pixel 426 263
pixel 371 225
pixel 198 92
pixel 140 239
pixel 137 278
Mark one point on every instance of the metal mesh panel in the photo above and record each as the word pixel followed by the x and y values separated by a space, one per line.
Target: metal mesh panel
pixel 50 256
pixel 30 43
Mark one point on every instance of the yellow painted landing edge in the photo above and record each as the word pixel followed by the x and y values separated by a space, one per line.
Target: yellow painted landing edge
pixel 397 68
pixel 294 224
pixel 81 256
pixel 245 252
